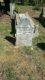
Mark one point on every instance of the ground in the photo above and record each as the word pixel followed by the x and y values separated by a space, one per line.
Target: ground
pixel 21 63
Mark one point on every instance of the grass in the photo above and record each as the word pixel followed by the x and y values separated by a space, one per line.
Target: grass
pixel 21 63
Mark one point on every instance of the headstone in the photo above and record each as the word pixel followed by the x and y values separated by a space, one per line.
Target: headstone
pixel 24 30
pixel 43 11
pixel 12 8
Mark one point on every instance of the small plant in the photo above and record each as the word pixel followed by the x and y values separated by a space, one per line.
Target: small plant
pixel 30 77
pixel 16 9
pixel 27 50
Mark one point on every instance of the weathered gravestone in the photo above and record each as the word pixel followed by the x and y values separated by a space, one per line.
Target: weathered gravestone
pixel 43 11
pixel 12 8
pixel 24 30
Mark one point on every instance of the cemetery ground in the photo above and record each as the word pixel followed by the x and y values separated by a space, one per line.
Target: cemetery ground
pixel 22 63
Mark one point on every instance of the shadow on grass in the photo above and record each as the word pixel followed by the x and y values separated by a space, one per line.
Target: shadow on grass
pixel 41 20
pixel 11 40
pixel 13 28
pixel 41 46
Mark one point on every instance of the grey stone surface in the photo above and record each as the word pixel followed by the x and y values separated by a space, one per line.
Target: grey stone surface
pixel 24 31
pixel 12 8
pixel 43 11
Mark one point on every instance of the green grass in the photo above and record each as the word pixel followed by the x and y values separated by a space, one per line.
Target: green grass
pixel 21 63
pixel 4 29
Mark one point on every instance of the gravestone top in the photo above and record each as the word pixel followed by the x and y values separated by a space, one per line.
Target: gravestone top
pixel 24 30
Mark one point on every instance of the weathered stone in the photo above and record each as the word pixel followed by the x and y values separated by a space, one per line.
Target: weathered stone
pixel 43 11
pixel 24 30
pixel 12 8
